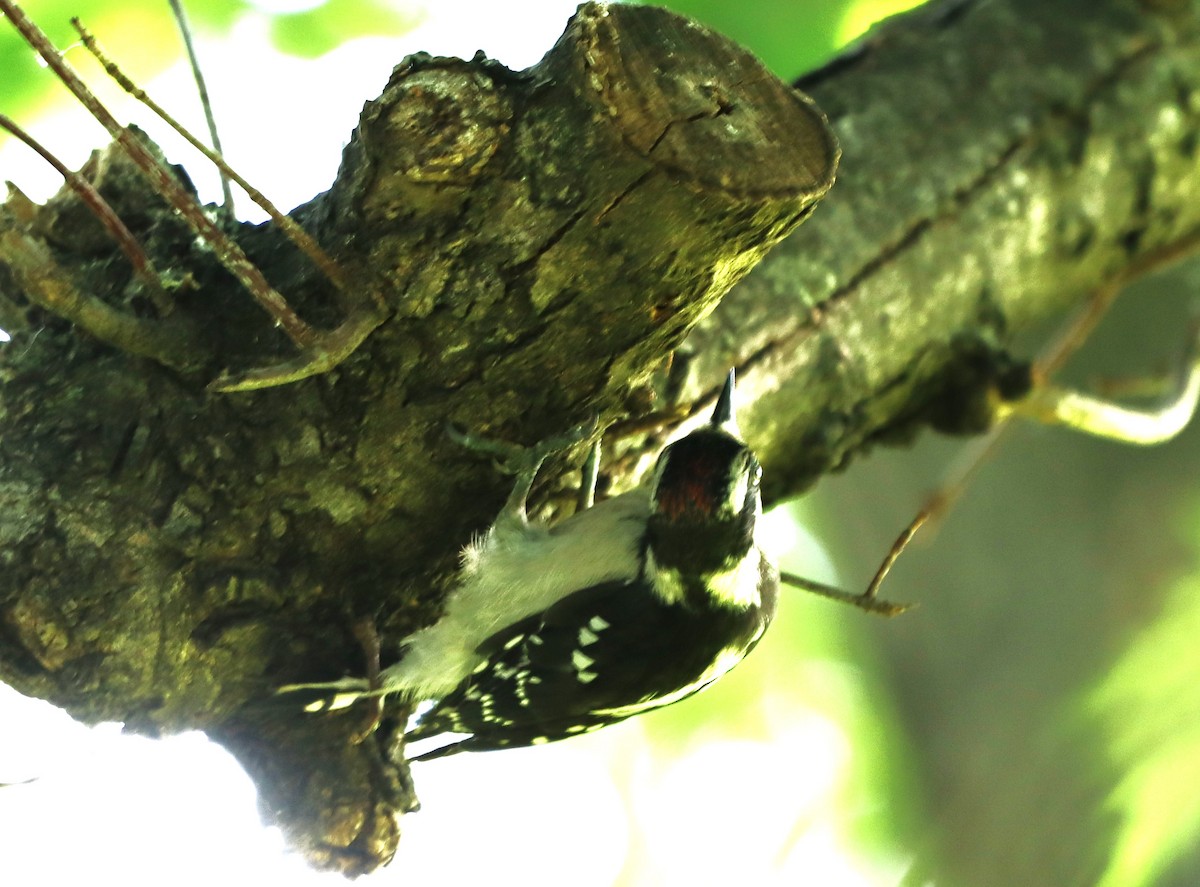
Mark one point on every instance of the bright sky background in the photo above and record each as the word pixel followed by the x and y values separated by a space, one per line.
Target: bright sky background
pixel 774 807
pixel 288 100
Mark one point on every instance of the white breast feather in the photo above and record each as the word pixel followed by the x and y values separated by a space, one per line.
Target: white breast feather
pixel 511 573
pixel 736 588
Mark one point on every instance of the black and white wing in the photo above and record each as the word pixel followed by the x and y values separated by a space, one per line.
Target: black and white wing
pixel 596 657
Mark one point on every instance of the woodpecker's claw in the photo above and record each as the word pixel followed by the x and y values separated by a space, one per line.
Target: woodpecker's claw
pixel 522 462
pixel 515 459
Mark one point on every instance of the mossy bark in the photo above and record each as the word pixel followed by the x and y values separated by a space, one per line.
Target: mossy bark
pixel 542 240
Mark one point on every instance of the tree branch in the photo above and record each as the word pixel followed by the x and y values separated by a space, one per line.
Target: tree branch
pixel 543 239
pixel 1001 162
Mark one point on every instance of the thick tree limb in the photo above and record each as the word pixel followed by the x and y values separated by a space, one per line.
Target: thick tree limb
pixel 542 240
pixel 1001 161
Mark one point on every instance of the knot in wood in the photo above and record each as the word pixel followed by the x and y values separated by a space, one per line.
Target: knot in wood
pixel 443 123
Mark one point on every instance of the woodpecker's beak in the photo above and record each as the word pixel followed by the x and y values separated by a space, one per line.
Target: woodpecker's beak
pixel 723 417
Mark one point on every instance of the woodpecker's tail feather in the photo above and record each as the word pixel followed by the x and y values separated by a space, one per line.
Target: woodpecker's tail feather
pixel 329 696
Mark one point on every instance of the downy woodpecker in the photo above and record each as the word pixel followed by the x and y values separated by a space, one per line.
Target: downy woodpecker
pixel 633 604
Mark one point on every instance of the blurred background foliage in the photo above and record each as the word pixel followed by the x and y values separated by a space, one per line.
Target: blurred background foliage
pixel 1036 721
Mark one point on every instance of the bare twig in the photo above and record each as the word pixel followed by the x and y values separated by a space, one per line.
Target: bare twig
pixel 1103 417
pixel 164 183
pixel 867 601
pixel 322 350
pixel 1050 404
pixel 142 266
pixel 291 230
pixel 1080 328
pixel 185 32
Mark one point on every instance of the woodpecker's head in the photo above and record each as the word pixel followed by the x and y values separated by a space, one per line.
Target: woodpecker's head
pixel 704 497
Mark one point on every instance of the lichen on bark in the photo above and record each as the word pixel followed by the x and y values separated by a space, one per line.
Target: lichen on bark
pixel 541 240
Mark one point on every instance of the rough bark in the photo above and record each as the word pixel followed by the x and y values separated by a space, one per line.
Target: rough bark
pixel 1001 160
pixel 542 239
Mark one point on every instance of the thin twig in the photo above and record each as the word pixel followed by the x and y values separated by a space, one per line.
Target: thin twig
pixel 142 266
pixel 326 349
pixel 1053 357
pixel 659 420
pixel 865 601
pixel 297 235
pixel 165 184
pixel 185 32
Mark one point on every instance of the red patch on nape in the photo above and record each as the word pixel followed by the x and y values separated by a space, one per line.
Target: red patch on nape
pixel 689 492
